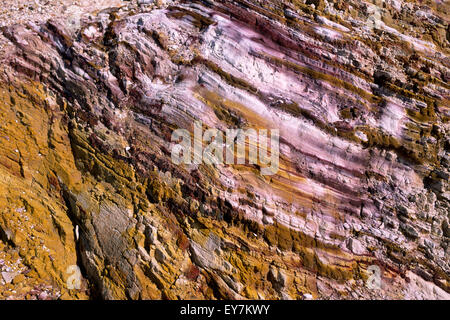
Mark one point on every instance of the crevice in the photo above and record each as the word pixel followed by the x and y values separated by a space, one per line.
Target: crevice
pixel 5 237
pixel 70 202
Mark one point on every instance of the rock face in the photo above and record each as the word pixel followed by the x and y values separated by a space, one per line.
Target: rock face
pixel 358 90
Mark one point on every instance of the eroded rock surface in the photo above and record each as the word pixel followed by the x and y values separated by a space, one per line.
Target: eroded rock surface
pixel 358 90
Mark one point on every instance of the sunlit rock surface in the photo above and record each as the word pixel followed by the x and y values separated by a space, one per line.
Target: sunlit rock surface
pixel 358 90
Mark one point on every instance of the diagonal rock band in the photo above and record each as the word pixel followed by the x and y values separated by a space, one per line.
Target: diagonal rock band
pixel 225 150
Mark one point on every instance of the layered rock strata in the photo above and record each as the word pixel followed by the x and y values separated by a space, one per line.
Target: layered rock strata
pixel 358 90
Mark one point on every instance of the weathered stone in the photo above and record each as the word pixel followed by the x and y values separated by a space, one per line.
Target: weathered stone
pixel 88 111
pixel 356 246
pixel 409 231
pixel 8 277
